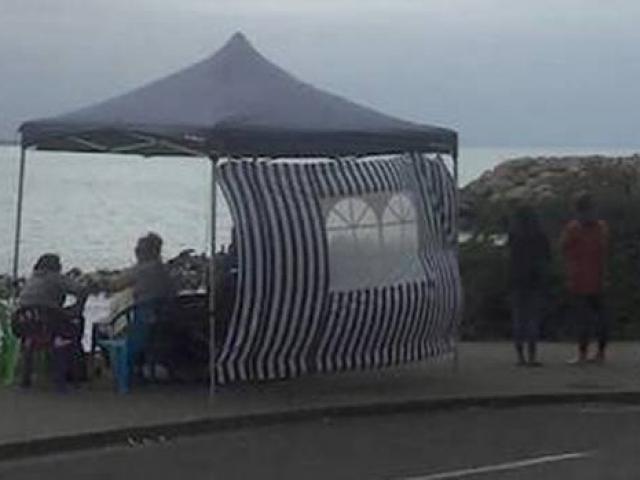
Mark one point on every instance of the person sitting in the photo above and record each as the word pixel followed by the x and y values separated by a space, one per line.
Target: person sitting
pixel 148 279
pixel 47 287
pixel 46 292
pixel 146 284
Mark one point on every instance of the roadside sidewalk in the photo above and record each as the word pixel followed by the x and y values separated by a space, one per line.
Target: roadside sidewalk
pixel 39 421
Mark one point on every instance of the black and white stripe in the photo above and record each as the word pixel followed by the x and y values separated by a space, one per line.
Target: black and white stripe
pixel 286 320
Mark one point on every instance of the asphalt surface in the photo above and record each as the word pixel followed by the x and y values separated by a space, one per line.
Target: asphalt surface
pixel 486 373
pixel 585 442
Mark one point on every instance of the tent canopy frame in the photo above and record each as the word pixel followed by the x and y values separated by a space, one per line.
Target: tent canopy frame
pixel 236 61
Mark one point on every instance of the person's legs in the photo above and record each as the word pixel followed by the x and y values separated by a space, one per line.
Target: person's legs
pixel 534 312
pixel 601 325
pixel 61 353
pixel 582 322
pixel 532 351
pixel 80 366
pixel 531 323
pixel 518 316
pixel 27 363
pixel 71 327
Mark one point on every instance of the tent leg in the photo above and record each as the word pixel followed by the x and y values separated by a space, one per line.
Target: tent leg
pixel 18 227
pixel 456 335
pixel 212 280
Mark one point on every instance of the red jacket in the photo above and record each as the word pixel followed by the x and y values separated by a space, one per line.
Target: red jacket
pixel 584 247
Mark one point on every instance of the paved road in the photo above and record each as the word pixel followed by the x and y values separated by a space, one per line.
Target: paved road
pixel 486 370
pixel 590 442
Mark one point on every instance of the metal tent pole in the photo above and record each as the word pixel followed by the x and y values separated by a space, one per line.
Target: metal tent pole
pixel 212 279
pixel 456 350
pixel 18 228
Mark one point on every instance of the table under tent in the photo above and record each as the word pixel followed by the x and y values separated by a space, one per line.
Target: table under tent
pixel 345 217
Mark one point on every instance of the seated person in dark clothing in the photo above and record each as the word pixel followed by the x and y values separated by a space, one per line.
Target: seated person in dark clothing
pixel 46 291
pixel 47 287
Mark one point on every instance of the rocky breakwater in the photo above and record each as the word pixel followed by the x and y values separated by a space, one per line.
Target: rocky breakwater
pixel 188 270
pixel 547 182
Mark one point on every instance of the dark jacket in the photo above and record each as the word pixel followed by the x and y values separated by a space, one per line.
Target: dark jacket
pixel 529 258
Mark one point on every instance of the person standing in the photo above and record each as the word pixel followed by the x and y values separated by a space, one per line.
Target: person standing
pixel 584 244
pixel 529 258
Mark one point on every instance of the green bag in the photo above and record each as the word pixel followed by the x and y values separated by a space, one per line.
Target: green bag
pixel 9 348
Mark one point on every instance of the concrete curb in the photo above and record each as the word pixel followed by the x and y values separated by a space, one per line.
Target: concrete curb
pixel 159 433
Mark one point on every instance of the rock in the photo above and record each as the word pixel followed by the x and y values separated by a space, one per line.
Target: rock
pixel 520 192
pixel 549 179
pixel 188 269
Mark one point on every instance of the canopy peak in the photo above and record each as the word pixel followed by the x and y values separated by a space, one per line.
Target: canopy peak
pixel 238 43
pixel 239 102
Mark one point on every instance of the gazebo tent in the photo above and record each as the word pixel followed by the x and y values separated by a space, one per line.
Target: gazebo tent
pixel 237 104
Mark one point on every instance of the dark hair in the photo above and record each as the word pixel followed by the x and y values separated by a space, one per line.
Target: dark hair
pixel 49 262
pixel 584 203
pixel 525 221
pixel 155 244
pixel 149 247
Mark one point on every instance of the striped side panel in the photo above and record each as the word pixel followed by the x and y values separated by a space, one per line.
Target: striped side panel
pixel 286 322
pixel 437 193
pixel 282 280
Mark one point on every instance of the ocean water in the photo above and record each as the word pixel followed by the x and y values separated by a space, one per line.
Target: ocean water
pixel 91 208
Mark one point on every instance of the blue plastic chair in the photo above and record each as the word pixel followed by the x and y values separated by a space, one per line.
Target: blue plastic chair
pixel 125 349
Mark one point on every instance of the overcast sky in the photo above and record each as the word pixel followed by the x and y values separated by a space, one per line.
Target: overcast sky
pixel 502 72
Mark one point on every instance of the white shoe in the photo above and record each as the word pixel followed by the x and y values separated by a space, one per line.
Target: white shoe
pixel 577 361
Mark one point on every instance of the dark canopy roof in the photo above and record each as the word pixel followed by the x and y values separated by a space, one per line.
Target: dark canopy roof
pixel 235 102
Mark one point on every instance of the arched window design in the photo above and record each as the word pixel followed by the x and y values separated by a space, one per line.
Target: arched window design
pixel 373 241
pixel 352 231
pixel 400 237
